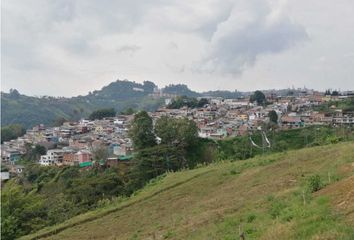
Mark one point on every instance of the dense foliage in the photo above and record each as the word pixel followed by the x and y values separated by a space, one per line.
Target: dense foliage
pixel 258 97
pixel 47 195
pixel 102 113
pixel 181 90
pixel 141 131
pixel 184 101
pixel 330 107
pixel 273 116
pixel 179 147
pixel 239 148
pixel 223 94
pixel 12 131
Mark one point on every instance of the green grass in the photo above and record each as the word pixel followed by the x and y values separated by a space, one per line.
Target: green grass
pixel 265 197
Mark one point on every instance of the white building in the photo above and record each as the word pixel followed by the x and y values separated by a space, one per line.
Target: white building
pixel 53 157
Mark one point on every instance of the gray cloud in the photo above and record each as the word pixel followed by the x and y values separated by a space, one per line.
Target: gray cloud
pixel 84 44
pixel 252 29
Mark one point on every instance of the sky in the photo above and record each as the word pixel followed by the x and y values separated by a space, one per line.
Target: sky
pixel 71 47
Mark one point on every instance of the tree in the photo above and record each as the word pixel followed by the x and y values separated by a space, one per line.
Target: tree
pixel 12 131
pixel 21 213
pixel 100 153
pixel 175 132
pixel 141 131
pixel 33 153
pixel 335 93
pixel 14 94
pixel 258 97
pixel 149 86
pixel 59 121
pixel 202 102
pixel 102 113
pixel 128 111
pixel 273 117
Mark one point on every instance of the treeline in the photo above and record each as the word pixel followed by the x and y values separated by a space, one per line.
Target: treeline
pixel 102 113
pixel 189 102
pixel 12 131
pixel 44 196
pixel 239 148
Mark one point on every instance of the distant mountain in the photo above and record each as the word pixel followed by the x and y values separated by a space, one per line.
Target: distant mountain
pixel 30 111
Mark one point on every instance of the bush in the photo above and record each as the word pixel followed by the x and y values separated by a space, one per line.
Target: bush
pixel 314 183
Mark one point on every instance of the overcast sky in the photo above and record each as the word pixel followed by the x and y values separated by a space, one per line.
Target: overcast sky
pixel 70 47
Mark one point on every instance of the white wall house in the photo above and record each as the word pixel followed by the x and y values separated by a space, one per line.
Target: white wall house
pixel 53 157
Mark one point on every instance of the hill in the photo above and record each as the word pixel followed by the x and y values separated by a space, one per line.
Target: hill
pixel 29 111
pixel 122 94
pixel 267 197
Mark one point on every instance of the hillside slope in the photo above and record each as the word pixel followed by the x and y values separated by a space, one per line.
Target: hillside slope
pixel 265 197
pixel 30 111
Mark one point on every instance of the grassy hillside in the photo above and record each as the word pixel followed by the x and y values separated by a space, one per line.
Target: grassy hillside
pixel 267 197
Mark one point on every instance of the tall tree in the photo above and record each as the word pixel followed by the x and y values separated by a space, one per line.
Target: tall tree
pixel 258 97
pixel 273 116
pixel 174 131
pixel 141 131
pixel 12 131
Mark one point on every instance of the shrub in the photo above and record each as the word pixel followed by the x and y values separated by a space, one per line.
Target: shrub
pixel 314 183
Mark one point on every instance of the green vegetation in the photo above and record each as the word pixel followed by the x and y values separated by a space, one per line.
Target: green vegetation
pixel 224 94
pixel 347 105
pixel 180 147
pixel 239 148
pixel 258 97
pixel 48 195
pixel 102 113
pixel 29 111
pixel 67 192
pixel 185 101
pixel 33 152
pixel 12 131
pixel 273 117
pixel 266 197
pixel 314 183
pixel 180 90
pixel 128 111
pixel 141 131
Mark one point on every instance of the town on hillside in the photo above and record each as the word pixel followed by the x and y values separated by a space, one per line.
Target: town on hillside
pixel 74 143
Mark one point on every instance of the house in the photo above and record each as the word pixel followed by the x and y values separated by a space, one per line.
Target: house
pixel 122 149
pixel 4 176
pixel 69 158
pixel 53 157
pixel 10 155
pixel 242 130
pixel 83 156
pixel 292 122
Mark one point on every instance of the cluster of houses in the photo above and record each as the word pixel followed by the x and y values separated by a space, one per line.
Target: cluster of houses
pixel 73 143
pixel 76 143
pixel 236 117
